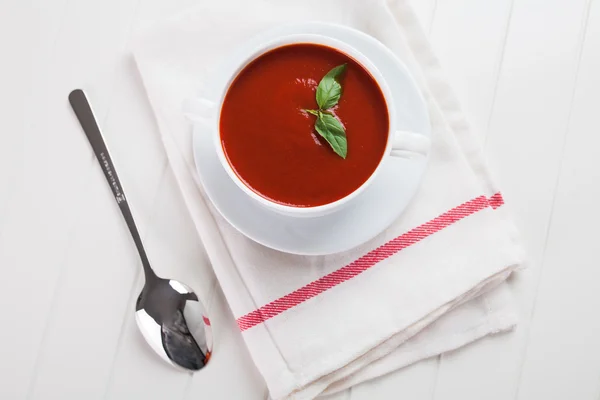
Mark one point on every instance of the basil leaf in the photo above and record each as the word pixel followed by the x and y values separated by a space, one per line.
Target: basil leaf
pixel 332 130
pixel 329 89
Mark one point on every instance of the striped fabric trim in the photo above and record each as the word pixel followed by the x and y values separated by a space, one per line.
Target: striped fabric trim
pixel 367 261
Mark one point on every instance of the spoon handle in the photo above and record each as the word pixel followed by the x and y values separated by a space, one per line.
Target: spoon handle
pixel 86 118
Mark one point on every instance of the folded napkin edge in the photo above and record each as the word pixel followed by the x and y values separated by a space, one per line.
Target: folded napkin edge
pixel 303 382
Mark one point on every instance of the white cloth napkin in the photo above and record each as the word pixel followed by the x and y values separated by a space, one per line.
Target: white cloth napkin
pixel 430 283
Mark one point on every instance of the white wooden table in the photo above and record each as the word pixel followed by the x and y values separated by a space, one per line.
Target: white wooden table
pixel 528 74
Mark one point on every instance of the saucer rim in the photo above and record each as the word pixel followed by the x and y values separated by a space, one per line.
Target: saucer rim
pixel 398 64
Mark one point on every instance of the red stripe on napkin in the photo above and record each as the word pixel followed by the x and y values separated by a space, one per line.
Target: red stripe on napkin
pixel 367 261
pixel 496 200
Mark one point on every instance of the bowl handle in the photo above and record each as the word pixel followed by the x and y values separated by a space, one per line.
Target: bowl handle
pixel 407 144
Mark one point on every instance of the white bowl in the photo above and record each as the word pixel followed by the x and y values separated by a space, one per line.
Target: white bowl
pixel 208 112
pixel 369 214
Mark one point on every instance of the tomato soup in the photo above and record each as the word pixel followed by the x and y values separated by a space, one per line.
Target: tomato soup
pixel 271 142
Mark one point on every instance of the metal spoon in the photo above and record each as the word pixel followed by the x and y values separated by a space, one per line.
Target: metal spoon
pixel 160 305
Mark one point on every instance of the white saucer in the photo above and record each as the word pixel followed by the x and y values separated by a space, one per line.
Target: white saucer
pixel 375 210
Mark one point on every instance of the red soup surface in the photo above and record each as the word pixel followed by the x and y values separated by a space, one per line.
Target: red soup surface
pixel 271 143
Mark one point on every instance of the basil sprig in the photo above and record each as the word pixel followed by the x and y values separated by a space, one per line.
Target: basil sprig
pixel 327 125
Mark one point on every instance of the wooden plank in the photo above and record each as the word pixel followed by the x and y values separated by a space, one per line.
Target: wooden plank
pixel 564 341
pixel 29 240
pixel 130 125
pixel 524 144
pixel 468 36
pixel 14 83
pixel 42 224
pixel 35 26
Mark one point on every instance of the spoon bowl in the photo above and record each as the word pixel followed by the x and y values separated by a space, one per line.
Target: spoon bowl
pixel 160 314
